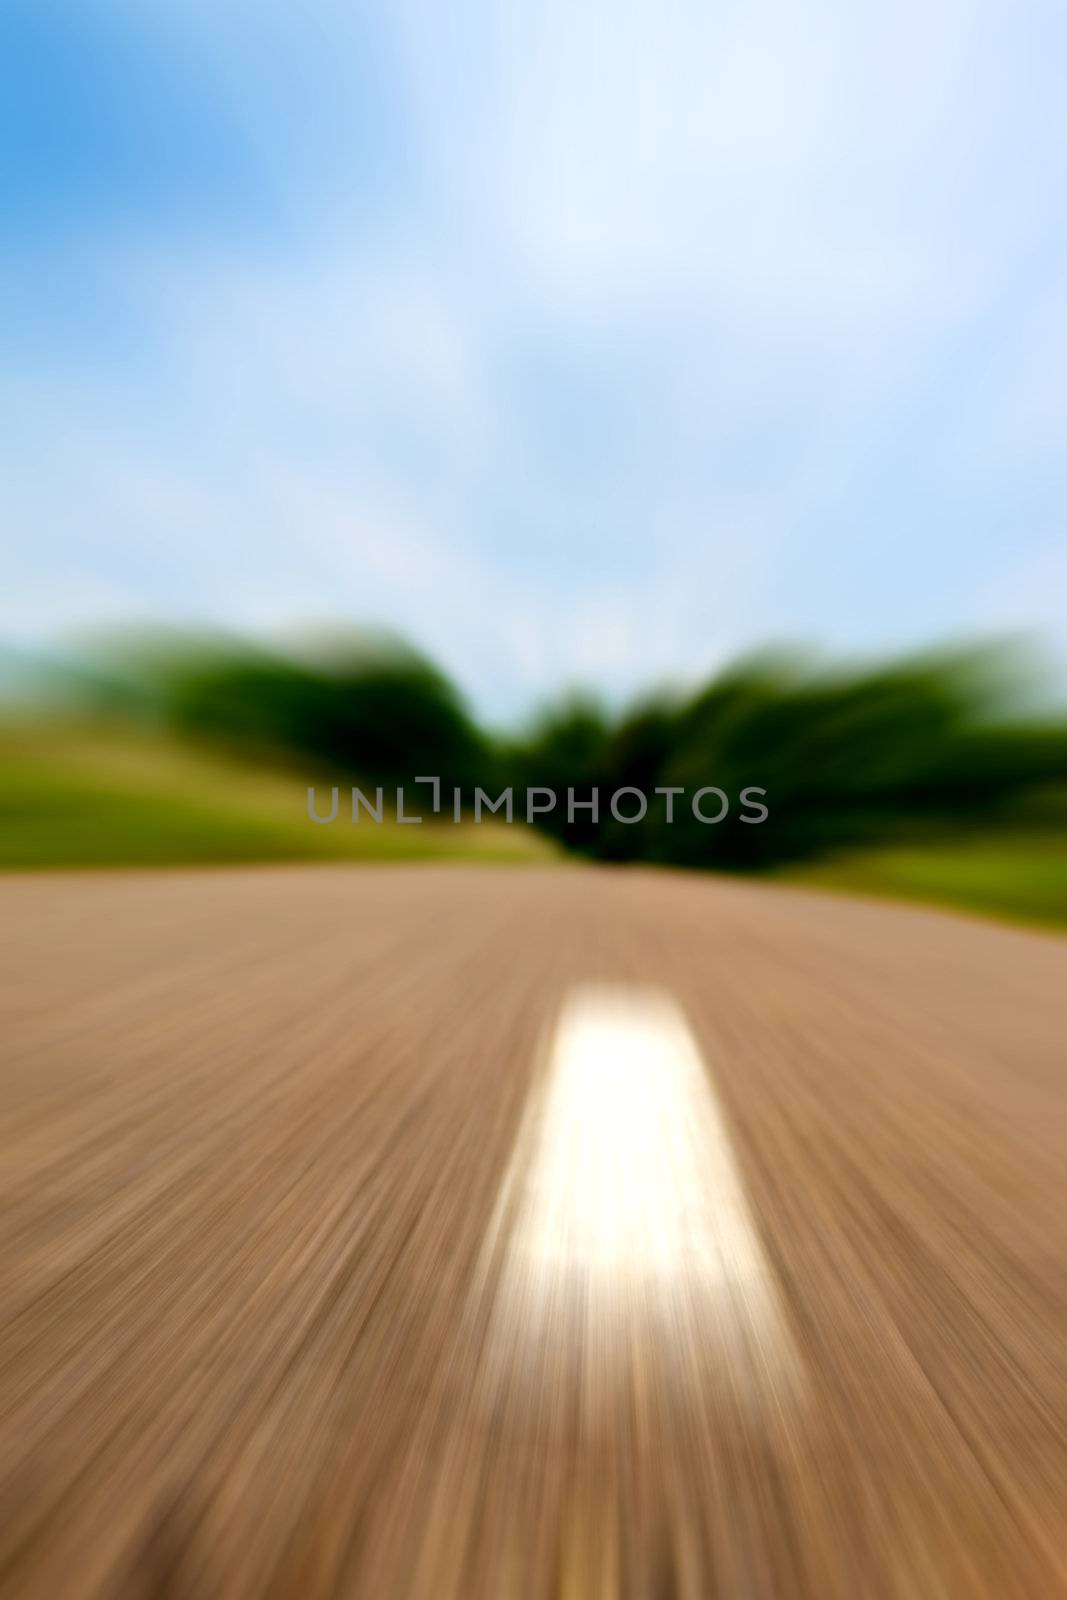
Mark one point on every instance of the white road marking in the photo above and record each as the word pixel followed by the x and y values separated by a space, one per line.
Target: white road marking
pixel 624 1196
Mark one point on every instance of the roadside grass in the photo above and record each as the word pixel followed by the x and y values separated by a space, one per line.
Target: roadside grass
pixel 73 797
pixel 1018 877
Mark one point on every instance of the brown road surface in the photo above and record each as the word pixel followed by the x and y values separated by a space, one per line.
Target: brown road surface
pixel 484 1234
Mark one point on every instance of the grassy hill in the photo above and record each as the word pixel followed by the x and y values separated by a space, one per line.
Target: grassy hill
pixel 72 797
pixel 1021 877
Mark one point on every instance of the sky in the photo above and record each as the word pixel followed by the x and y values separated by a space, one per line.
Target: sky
pixel 578 343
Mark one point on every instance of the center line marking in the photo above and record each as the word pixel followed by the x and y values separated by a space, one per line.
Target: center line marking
pixel 624 1196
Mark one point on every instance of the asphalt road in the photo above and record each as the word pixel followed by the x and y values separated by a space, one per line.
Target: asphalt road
pixel 484 1234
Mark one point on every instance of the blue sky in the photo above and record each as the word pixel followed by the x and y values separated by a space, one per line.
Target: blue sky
pixel 585 342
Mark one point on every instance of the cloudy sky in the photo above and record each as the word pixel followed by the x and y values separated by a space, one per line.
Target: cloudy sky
pixel 576 341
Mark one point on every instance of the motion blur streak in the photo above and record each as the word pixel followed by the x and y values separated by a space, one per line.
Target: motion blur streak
pixel 372 1234
pixel 631 1190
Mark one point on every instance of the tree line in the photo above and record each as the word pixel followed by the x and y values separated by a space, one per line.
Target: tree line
pixel 848 756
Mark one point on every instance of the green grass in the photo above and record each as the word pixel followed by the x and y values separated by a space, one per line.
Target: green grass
pixel 79 798
pixel 1019 877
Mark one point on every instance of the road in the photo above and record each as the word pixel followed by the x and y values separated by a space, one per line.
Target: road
pixel 484 1234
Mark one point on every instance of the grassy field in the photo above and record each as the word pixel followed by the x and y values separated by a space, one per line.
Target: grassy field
pixel 72 798
pixel 1019 877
